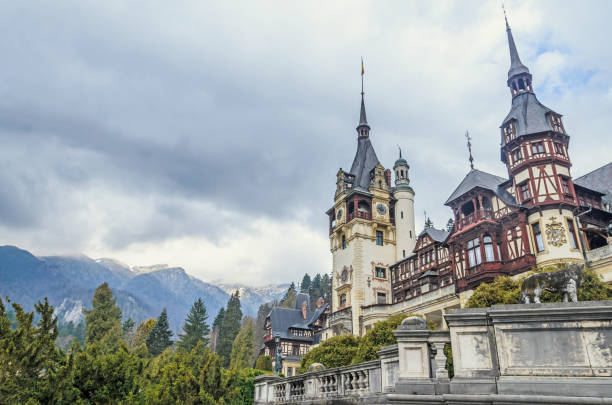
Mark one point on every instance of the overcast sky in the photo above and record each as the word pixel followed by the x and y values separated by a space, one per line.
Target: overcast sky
pixel 208 134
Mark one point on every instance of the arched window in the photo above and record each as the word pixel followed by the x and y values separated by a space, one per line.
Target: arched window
pixel 342 300
pixel 473 251
pixel 343 242
pixel 488 247
pixel 402 214
pixel 521 84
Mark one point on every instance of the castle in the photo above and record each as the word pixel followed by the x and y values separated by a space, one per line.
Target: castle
pixel 538 216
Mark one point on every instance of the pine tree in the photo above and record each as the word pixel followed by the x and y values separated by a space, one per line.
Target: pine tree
pixel 264 363
pixel 258 336
pixel 230 326
pixel 315 289
pixel 450 225
pixel 33 369
pixel 242 348
pixel 128 326
pixel 159 337
pixel 196 329
pixel 214 335
pixel 429 223
pixel 288 300
pixel 306 283
pixel 326 287
pixel 140 335
pixel 103 317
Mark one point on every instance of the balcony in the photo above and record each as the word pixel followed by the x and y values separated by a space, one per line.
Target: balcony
pixel 474 218
pixel 358 214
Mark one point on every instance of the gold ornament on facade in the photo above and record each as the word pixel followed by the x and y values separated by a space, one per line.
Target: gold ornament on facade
pixel 555 233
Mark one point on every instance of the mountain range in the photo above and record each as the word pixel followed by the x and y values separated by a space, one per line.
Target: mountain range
pixel 142 292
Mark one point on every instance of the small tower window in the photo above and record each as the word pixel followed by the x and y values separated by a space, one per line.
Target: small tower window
pixel 342 300
pixel 537 236
pixel 521 84
pixel 379 238
pixel 343 242
pixel 404 253
pixel 402 214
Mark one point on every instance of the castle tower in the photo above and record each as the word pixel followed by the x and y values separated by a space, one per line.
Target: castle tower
pixel 362 236
pixel 404 209
pixel 534 147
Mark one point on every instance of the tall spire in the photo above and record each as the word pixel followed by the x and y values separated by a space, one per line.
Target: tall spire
pixel 516 66
pixel 363 129
pixel 469 145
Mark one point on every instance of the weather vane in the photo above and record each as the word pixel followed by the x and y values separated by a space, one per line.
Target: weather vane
pixel 469 145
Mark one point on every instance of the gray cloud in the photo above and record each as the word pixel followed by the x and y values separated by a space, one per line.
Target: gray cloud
pixel 129 126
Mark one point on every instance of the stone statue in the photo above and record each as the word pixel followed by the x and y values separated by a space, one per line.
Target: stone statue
pixel 565 281
pixel 316 367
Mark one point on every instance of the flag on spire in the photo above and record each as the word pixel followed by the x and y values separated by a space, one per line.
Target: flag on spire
pixel 362 68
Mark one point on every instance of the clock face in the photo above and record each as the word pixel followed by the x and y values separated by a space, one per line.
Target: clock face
pixel 381 208
pixel 344 275
pixel 339 214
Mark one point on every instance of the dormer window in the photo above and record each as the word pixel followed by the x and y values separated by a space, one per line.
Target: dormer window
pixel 557 125
pixel 509 131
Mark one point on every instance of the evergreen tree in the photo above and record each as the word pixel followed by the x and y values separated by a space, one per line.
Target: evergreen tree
pixel 258 336
pixel 128 326
pixel 288 300
pixel 450 225
pixel 264 363
pixel 196 329
pixel 103 317
pixel 242 348
pixel 326 287
pixel 230 326
pixel 315 290
pixel 214 335
pixel 140 335
pixel 32 368
pixel 306 283
pixel 159 337
pixel 429 223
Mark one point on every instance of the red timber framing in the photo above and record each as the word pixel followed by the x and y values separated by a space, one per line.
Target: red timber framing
pixel 488 246
pixel 428 269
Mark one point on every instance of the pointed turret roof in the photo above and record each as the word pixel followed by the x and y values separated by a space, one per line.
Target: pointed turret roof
pixel 476 178
pixel 516 66
pixel 365 158
pixel 363 120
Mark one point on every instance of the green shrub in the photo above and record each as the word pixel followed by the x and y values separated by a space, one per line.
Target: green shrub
pixel 334 352
pixel 505 290
pixel 380 335
pixel 264 363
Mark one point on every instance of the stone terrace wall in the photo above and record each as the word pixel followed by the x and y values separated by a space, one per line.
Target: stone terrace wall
pixel 558 353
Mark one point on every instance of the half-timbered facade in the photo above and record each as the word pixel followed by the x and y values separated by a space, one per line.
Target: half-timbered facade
pixel 295 330
pixel 537 216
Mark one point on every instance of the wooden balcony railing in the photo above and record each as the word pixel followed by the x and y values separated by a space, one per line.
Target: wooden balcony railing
pixel 474 218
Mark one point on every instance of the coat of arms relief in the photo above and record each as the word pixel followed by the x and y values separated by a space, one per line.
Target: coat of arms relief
pixel 555 232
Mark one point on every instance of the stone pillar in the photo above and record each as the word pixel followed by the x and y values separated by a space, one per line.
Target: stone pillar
pixel 414 354
pixel 389 365
pixel 474 354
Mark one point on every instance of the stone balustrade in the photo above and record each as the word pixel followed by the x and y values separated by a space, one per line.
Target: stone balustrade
pixel 559 353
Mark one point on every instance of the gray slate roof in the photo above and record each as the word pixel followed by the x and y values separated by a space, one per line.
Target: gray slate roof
pixel 365 160
pixel 282 319
pixel 598 180
pixel 476 178
pixel 516 66
pixel 529 115
pixel 437 235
